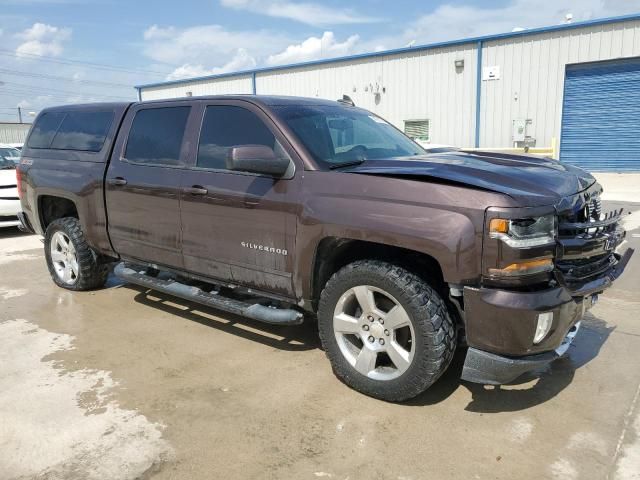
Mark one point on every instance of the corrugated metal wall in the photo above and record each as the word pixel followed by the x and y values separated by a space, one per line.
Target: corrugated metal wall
pixel 238 85
pixel 14 132
pixel 415 85
pixel 532 72
pixel 425 84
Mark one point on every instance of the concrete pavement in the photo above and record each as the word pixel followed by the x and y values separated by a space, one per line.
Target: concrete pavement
pixel 122 383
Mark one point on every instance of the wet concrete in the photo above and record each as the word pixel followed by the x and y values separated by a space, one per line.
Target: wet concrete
pixel 192 393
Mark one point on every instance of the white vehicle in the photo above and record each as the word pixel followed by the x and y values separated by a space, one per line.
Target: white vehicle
pixel 9 201
pixel 17 146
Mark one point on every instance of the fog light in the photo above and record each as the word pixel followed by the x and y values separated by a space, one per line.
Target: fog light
pixel 544 325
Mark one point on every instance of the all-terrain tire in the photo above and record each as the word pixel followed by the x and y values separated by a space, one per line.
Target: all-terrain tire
pixel 91 272
pixel 434 329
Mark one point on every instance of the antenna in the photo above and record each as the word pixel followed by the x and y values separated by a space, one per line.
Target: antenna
pixel 346 100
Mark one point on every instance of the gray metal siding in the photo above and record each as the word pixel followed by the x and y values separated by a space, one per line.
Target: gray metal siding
pixel 233 85
pixel 14 132
pixel 412 85
pixel 532 76
pixel 601 119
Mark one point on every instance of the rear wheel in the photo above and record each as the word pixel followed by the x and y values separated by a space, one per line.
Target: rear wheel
pixel 387 333
pixel 72 263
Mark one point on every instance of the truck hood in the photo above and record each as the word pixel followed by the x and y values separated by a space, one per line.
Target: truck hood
pixel 533 180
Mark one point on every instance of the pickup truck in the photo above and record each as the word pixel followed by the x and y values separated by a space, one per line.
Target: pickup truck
pixel 284 208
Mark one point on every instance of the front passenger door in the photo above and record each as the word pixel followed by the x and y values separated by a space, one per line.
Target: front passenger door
pixel 238 226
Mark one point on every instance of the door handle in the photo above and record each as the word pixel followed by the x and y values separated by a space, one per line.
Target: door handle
pixel 118 181
pixel 196 190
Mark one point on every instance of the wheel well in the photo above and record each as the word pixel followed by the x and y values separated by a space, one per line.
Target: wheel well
pixel 52 208
pixel 334 253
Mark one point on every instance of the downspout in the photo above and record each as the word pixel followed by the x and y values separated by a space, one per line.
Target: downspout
pixel 253 82
pixel 478 92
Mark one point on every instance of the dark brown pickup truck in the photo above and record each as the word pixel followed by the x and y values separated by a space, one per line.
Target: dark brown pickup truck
pixel 277 207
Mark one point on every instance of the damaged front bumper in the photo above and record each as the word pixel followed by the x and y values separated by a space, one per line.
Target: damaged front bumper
pixel 491 369
pixel 501 324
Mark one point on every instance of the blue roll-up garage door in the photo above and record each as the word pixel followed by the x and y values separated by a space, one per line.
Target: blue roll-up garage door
pixel 601 116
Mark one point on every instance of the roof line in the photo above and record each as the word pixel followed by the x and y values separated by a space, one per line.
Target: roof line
pixel 384 53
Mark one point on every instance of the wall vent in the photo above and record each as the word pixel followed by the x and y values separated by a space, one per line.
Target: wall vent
pixel 417 129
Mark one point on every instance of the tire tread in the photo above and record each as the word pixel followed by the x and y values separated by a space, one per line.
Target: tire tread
pixel 92 273
pixel 432 323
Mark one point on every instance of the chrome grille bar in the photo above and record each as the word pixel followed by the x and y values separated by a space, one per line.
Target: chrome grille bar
pixel 610 218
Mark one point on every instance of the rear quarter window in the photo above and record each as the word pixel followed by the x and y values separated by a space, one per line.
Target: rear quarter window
pixel 45 129
pixel 85 131
pixel 79 131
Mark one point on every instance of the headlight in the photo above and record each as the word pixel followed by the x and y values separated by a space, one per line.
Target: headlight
pixel 524 232
pixel 529 267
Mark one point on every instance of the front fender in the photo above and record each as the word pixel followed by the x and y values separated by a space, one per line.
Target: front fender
pixel 451 238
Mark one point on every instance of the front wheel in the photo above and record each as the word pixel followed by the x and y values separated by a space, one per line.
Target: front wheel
pixel 387 333
pixel 72 263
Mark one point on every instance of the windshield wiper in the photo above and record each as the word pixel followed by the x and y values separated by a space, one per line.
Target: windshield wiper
pixel 346 164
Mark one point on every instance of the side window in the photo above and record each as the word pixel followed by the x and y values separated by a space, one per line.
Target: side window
pixel 84 131
pixel 45 129
pixel 156 135
pixel 228 126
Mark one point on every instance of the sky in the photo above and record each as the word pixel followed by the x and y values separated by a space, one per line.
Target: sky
pixel 70 51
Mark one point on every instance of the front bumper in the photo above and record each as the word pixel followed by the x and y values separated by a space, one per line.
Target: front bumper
pixel 491 369
pixel 501 324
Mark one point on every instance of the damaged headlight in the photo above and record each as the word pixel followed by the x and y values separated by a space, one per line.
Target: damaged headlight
pixel 524 232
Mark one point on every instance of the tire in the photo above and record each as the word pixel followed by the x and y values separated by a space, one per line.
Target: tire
pixel 75 266
pixel 420 342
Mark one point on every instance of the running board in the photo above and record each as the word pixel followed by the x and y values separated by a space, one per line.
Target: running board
pixel 255 311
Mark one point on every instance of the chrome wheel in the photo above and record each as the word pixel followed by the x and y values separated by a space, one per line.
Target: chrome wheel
pixel 374 332
pixel 64 258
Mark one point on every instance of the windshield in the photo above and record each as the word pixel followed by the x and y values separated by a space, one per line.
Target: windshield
pixel 9 157
pixel 336 135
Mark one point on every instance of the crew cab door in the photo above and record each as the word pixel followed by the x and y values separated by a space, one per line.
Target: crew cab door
pixel 143 183
pixel 238 226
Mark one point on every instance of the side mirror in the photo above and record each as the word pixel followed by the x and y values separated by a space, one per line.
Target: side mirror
pixel 257 159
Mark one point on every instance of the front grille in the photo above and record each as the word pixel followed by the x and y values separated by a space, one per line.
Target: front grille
pixel 587 239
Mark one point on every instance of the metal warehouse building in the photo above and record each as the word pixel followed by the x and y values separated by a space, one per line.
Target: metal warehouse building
pixel 13 132
pixel 571 90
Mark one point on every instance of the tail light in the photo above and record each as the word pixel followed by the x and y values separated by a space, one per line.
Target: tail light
pixel 19 182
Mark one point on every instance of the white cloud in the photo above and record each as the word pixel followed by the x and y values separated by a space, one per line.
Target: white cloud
pixel 43 39
pixel 314 48
pixel 211 45
pixel 309 13
pixel 154 32
pixel 241 61
pixel 449 22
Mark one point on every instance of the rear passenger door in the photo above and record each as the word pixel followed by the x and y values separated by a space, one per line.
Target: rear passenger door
pixel 238 226
pixel 143 183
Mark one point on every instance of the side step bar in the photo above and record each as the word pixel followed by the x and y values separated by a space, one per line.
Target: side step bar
pixel 255 311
